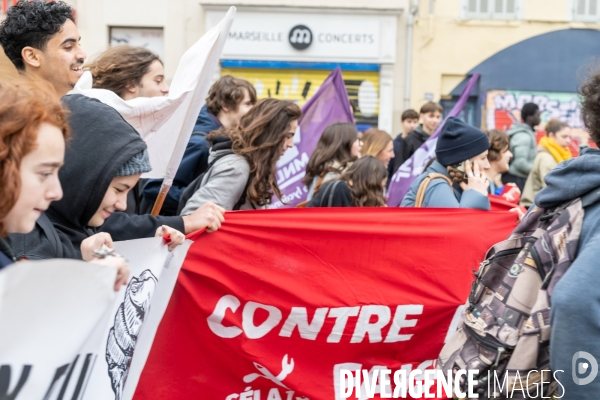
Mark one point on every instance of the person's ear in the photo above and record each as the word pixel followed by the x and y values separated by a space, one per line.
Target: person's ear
pixel 131 88
pixel 31 56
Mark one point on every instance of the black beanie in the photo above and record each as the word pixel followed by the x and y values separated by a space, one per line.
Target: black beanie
pixel 459 141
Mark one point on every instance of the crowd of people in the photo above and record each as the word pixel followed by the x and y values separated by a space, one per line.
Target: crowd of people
pixel 71 165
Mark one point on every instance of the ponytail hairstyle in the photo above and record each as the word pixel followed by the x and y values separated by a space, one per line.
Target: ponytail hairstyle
pixel 456 175
pixel 499 143
pixel 259 138
pixel 24 107
pixel 335 144
pixel 365 178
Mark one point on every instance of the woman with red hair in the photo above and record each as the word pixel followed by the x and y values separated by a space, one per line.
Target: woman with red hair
pixel 33 129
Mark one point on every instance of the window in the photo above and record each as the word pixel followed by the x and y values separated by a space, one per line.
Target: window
pixel 585 10
pixel 491 9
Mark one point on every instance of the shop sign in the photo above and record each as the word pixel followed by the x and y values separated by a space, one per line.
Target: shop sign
pixel 323 37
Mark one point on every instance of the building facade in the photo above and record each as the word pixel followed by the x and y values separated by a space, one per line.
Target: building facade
pixel 394 54
pixel 286 50
pixel 525 50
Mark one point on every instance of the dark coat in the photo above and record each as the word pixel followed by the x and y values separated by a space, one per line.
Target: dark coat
pixel 194 162
pixel 395 161
pixel 332 194
pixel 101 142
pixel 411 143
pixel 7 256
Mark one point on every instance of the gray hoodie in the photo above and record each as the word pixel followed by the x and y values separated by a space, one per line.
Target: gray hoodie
pixel 223 184
pixel 523 148
pixel 575 314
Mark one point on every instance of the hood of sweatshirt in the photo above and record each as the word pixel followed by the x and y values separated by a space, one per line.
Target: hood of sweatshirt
pixel 221 144
pixel 101 143
pixel 520 127
pixel 419 131
pixel 571 179
pixel 206 122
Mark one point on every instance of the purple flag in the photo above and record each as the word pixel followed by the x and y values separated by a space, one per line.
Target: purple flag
pixel 415 165
pixel 329 105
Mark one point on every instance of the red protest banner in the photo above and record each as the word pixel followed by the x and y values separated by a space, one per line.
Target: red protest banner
pixel 498 203
pixel 276 303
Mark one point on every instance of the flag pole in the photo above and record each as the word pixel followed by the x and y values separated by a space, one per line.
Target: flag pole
pixel 162 195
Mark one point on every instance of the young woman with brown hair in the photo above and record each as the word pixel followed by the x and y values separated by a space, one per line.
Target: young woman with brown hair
pixel 130 72
pixel 362 185
pixel 552 150
pixel 499 156
pixel 378 143
pixel 242 163
pixel 337 148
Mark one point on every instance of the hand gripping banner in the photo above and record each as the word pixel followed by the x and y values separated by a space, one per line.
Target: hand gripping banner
pixel 274 304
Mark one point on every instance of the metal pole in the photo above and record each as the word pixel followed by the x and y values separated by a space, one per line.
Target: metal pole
pixel 414 8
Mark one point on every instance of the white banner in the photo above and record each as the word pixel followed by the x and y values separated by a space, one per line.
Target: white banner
pixel 64 332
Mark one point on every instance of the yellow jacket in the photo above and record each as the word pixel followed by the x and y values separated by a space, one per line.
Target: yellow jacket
pixel 544 162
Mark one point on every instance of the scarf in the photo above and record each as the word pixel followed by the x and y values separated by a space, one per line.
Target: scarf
pixel 559 153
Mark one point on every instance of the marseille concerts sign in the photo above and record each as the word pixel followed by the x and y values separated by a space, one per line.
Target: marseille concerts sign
pixel 318 37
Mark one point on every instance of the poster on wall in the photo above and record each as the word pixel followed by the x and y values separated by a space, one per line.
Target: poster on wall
pixel 300 85
pixel 503 108
pixel 149 38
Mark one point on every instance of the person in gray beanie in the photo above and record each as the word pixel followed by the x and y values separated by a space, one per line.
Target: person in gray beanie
pixel 456 178
pixel 104 160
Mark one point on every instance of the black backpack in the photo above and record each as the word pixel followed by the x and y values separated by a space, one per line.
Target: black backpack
pixel 202 165
pixel 196 184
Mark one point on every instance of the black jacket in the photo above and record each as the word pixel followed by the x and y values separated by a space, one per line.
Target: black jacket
pixel 193 163
pixel 395 161
pixel 411 143
pixel 332 194
pixel 7 256
pixel 101 142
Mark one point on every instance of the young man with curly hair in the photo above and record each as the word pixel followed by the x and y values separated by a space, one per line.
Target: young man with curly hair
pixel 42 41
pixel 229 99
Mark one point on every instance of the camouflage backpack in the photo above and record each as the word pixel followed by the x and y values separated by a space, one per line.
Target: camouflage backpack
pixel 505 330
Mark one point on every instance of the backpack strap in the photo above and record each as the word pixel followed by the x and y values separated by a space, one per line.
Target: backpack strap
pixel 242 199
pixel 425 183
pixel 196 184
pixel 328 194
pixel 331 193
pixel 590 198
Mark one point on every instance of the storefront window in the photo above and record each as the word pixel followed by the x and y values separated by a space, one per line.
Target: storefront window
pixel 299 85
pixel 149 38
